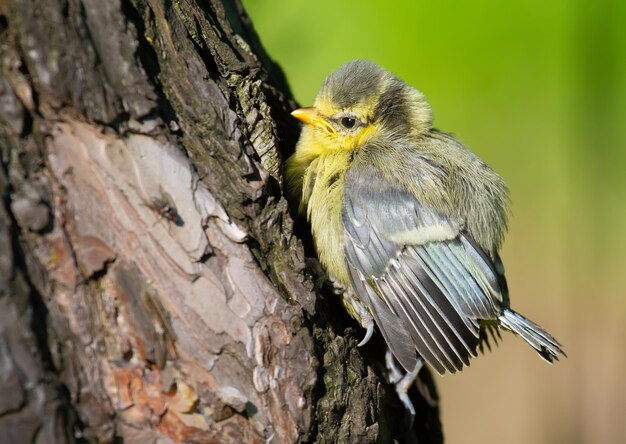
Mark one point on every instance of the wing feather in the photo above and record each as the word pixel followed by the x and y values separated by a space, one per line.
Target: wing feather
pixel 441 335
pixel 418 330
pixel 454 261
pixel 458 324
pixel 420 275
pixel 394 332
pixel 462 304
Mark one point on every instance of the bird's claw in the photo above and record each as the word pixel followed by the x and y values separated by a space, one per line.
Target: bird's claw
pixel 368 334
pixel 365 317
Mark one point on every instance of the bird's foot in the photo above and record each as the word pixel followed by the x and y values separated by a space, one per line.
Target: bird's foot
pixel 402 382
pixel 356 308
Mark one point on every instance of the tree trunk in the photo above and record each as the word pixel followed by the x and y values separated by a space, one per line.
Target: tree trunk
pixel 152 288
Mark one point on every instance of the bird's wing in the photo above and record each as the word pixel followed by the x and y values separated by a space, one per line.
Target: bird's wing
pixel 425 281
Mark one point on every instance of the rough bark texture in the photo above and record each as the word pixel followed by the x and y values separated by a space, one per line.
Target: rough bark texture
pixel 151 286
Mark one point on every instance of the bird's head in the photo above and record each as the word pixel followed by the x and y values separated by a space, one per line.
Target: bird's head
pixel 361 100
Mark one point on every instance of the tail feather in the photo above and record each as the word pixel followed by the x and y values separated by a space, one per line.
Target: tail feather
pixel 539 339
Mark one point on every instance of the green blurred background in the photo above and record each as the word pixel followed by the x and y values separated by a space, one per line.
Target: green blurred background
pixel 538 90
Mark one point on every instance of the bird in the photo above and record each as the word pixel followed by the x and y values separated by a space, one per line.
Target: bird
pixel 407 219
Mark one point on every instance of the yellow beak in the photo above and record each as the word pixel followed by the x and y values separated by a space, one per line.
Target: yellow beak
pixel 310 116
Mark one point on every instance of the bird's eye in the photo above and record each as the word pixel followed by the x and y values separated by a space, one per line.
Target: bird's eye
pixel 348 122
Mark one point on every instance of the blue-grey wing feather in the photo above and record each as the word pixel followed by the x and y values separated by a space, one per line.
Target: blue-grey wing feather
pixel 424 279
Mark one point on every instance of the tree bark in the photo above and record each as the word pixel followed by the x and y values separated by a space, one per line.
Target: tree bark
pixel 152 288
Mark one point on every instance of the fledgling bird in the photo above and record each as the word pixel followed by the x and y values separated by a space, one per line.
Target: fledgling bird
pixel 407 218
